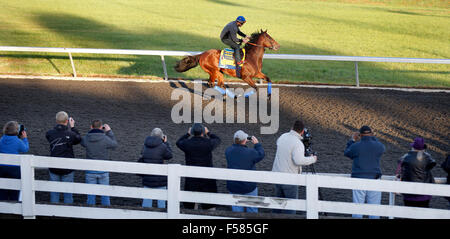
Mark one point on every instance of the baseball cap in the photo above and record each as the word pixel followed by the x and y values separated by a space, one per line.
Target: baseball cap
pixel 241 135
pixel 365 130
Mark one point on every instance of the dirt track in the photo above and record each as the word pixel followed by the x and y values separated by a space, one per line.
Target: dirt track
pixel 132 109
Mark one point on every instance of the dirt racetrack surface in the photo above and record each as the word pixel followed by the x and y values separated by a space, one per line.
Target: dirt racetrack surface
pixel 133 109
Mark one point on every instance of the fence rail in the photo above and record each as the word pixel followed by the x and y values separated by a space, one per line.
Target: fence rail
pixel 28 185
pixel 354 59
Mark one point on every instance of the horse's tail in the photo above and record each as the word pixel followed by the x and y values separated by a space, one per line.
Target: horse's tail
pixel 187 63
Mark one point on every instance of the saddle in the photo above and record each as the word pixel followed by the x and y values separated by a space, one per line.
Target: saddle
pixel 226 59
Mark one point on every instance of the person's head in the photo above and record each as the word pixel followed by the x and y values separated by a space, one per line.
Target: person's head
pixel 240 21
pixel 157 132
pixel 365 131
pixel 96 124
pixel 240 137
pixel 62 118
pixel 197 129
pixel 298 126
pixel 11 128
pixel 419 144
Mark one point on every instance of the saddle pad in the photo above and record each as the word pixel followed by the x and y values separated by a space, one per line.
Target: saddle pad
pixel 226 59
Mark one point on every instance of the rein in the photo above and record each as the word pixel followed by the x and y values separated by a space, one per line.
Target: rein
pixel 257 45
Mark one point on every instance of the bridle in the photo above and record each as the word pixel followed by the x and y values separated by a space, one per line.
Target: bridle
pixel 271 45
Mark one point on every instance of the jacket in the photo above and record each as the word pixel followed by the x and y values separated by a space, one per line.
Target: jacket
pixel 366 155
pixel 198 152
pixel 61 141
pixel 98 144
pixel 11 144
pixel 155 151
pixel 416 167
pixel 230 31
pixel 290 154
pixel 241 157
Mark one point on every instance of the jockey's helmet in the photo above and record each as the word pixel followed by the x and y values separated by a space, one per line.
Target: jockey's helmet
pixel 240 19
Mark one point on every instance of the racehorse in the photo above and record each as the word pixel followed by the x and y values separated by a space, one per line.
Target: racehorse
pixel 254 51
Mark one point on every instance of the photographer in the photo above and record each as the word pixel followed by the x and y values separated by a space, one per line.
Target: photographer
pixel 365 150
pixel 289 158
pixel 239 156
pixel 156 150
pixel 12 142
pixel 62 139
pixel 98 141
pixel 198 152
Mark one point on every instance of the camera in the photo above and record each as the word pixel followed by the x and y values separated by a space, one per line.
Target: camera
pixel 307 138
pixel 249 137
pixel 21 129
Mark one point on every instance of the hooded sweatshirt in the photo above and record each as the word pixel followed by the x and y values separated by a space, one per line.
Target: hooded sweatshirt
pixel 98 144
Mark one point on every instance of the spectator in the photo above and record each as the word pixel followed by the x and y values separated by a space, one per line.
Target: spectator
pixel 62 139
pixel 98 141
pixel 289 158
pixel 156 150
pixel 446 166
pixel 365 150
pixel 12 143
pixel 198 152
pixel 416 166
pixel 240 157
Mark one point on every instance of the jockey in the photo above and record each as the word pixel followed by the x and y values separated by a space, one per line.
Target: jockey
pixel 228 37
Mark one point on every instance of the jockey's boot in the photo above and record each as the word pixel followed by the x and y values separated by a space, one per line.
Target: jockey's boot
pixel 238 71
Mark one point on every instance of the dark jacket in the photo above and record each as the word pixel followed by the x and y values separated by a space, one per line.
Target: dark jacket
pixel 198 152
pixel 155 151
pixel 241 157
pixel 230 31
pixel 366 156
pixel 61 140
pixel 98 144
pixel 417 167
pixel 446 166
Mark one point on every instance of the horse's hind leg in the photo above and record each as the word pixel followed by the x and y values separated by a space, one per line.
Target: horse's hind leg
pixel 261 75
pixel 249 81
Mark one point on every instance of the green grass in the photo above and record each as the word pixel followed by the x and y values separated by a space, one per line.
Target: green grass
pixel 399 28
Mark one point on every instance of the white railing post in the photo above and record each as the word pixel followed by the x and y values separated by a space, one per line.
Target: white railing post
pixel 27 189
pixel 166 77
pixel 312 196
pixel 73 65
pixel 173 191
pixel 391 201
pixel 357 74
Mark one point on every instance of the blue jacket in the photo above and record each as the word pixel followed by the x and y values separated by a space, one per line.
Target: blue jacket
pixel 240 157
pixel 11 144
pixel 366 156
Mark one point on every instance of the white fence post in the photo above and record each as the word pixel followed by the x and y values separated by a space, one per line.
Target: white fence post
pixel 173 191
pixel 73 65
pixel 312 196
pixel 166 77
pixel 27 189
pixel 357 74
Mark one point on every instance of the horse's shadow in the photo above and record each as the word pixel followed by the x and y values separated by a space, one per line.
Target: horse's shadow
pixel 182 84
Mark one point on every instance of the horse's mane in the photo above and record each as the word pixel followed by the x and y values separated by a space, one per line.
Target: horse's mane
pixel 253 39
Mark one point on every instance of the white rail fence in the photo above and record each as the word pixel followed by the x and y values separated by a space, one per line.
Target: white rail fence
pixel 29 208
pixel 354 59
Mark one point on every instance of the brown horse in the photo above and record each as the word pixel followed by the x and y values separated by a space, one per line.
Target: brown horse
pixel 254 50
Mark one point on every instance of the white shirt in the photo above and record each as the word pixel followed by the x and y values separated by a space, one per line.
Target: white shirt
pixel 290 155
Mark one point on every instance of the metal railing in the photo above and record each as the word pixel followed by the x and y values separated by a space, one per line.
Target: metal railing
pixel 162 54
pixel 29 208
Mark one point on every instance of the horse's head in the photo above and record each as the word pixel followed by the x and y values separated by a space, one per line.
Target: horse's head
pixel 267 41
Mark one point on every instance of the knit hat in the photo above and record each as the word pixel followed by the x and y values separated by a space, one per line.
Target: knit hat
pixel 197 129
pixel 419 144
